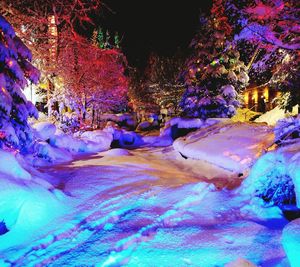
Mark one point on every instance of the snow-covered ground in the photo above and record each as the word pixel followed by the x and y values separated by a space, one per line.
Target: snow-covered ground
pixel 149 207
pixel 180 205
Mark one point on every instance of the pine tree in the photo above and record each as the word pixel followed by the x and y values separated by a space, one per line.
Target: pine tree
pixel 214 74
pixel 15 71
pixel 100 39
pixel 117 40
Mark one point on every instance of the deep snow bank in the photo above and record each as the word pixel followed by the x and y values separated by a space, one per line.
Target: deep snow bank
pixel 291 242
pixel 233 146
pixel 27 202
pixel 54 146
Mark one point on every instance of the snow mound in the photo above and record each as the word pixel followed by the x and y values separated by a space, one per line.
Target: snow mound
pixel 177 127
pixel 25 207
pixel 291 242
pixel 68 142
pixel 97 141
pixel 50 153
pixel 44 130
pixel 116 152
pixel 232 146
pixel 10 166
pixel 271 117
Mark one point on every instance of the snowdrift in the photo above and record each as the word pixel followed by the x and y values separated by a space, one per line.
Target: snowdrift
pixel 26 202
pixel 232 146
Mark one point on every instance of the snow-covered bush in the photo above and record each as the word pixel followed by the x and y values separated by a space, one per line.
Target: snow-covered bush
pixel 275 177
pixel 69 122
pixel 278 189
pixel 288 128
pixel 15 70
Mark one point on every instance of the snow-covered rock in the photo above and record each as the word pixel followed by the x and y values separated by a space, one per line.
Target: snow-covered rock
pixel 101 140
pixel 177 127
pixel 291 242
pixel 233 146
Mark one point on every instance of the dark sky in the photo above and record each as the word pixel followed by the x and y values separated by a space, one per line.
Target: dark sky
pixel 153 25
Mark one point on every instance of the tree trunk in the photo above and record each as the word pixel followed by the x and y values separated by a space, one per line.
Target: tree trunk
pixel 253 58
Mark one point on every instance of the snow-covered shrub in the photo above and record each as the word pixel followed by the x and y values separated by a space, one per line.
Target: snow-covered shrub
pixel 275 177
pixel 70 122
pixel 278 189
pixel 288 128
pixel 15 71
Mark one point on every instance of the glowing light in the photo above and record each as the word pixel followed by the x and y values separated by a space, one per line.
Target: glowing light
pixel 246 98
pixel 266 94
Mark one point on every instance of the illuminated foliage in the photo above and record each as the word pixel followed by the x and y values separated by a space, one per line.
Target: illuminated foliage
pixel 214 74
pixel 15 71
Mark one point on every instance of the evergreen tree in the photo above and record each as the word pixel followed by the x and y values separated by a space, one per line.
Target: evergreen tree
pixel 214 74
pixel 117 40
pixel 100 39
pixel 15 71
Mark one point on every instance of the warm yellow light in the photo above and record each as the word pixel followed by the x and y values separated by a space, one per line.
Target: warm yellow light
pixel 255 96
pixel 246 98
pixel 266 94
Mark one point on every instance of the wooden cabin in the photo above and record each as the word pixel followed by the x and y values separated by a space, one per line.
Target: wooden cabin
pixel 260 98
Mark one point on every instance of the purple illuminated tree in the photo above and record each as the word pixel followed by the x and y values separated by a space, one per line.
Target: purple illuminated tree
pixel 269 30
pixel 15 71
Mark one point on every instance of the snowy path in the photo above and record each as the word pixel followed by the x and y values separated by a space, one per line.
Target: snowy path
pixel 150 208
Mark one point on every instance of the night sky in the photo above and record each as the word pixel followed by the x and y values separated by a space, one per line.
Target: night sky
pixel 161 26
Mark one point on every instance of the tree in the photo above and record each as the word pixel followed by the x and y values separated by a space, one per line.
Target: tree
pixel 214 75
pixel 15 71
pixel 93 80
pixel 158 84
pixel 45 26
pixel 270 32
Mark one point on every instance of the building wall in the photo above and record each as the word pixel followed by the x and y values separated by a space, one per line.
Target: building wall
pixel 260 98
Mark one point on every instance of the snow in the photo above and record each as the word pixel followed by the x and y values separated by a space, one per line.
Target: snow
pixel 232 146
pixel 26 202
pixel 291 242
pixel 283 162
pixel 11 167
pixel 44 130
pixel 117 152
pixel 148 207
pixel 240 263
pixel 273 116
